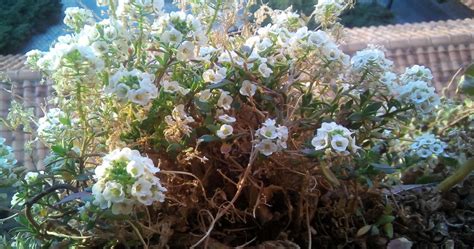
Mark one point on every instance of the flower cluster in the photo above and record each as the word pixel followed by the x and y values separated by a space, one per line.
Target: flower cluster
pixel 134 86
pixel 52 126
pixel 371 59
pixel 416 89
pixel 271 138
pixel 177 29
pixel 77 18
pixel 427 145
pixel 126 179
pixel 337 137
pixel 7 158
pixel 326 11
pixel 125 7
pixel 416 73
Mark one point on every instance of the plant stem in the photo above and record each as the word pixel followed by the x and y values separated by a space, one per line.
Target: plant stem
pixel 218 6
pixel 329 175
pixel 457 177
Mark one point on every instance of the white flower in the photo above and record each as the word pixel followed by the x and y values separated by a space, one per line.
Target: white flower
pixel 225 100
pixel 205 95
pixel 416 73
pixel 269 132
pixel 248 88
pixel 278 135
pixel 185 51
pixel 214 75
pixel 226 119
pixel 339 143
pixel 172 36
pixel 427 145
pixel 437 148
pixel 424 153
pixel 76 17
pixel 31 176
pixel 338 136
pixel 113 192
pixel 264 70
pixel 141 188
pixel 140 96
pixel 371 59
pixel 225 131
pixel 135 168
pixel 173 87
pixel 319 142
pixel 267 147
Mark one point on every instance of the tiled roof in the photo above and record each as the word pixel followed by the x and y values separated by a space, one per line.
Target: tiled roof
pixel 12 62
pixel 411 35
pixel 443 46
pixel 468 3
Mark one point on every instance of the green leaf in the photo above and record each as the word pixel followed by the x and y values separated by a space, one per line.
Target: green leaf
pixel 387 169
pixel 356 116
pixel 384 219
pixel 375 230
pixel 219 85
pixel 466 83
pixel 208 138
pixel 364 97
pixel 372 108
pixel 59 150
pixel 174 147
pixel 363 230
pixel 388 229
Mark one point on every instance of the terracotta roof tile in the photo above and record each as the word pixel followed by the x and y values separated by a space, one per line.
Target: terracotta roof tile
pixel 403 35
pixel 468 3
pixel 12 62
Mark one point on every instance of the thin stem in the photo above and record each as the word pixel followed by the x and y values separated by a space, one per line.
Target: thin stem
pixel 138 234
pixel 216 11
pixel 457 177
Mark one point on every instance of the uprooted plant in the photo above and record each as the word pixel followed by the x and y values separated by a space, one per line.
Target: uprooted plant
pixel 216 127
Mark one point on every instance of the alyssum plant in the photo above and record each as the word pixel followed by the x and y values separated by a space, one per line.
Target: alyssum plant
pixel 175 130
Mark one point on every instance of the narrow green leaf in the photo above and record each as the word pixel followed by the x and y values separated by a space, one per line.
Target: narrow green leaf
pixel 363 230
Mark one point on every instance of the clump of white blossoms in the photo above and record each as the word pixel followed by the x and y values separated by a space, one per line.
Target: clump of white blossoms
pixel 126 179
pixel 416 73
pixel 125 7
pixel 76 18
pixel 134 86
pixel 427 145
pixel 335 137
pixel 416 89
pixel 7 162
pixel 326 11
pixel 181 30
pixel 373 60
pixel 54 123
pixel 271 138
pixel 7 158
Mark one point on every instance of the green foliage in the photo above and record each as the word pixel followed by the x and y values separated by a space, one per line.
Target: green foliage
pixel 23 18
pixel 367 15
